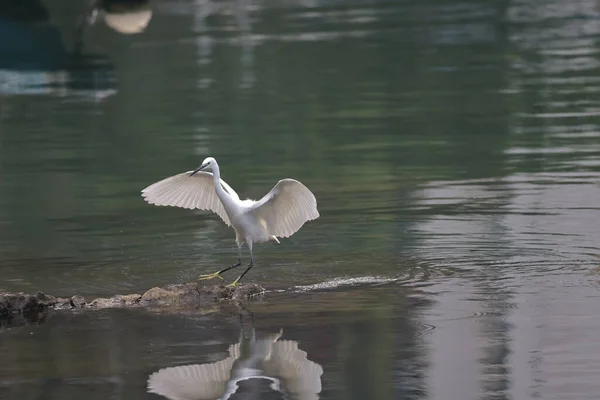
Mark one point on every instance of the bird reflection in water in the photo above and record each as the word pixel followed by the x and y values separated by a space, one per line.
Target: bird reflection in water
pixel 266 368
pixel 123 16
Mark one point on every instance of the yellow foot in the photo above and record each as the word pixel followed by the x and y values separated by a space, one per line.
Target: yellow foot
pixel 210 276
pixel 233 284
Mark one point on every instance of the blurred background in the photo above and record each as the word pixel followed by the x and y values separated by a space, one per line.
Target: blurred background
pixel 453 147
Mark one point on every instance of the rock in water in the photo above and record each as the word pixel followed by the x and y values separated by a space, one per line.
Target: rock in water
pixel 194 295
pixel 15 307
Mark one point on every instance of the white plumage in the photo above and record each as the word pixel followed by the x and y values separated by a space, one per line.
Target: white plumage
pixel 191 192
pixel 280 213
pixel 279 361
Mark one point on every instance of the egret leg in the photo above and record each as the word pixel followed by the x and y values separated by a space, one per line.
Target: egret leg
pixel 250 265
pixel 218 273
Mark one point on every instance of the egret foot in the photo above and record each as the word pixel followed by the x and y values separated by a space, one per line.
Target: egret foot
pixel 211 276
pixel 233 284
pixel 236 282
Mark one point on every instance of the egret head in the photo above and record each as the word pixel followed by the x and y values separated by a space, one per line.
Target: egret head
pixel 208 163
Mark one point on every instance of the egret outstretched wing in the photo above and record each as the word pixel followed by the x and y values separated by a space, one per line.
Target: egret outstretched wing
pixel 286 208
pixel 194 382
pixel 191 192
pixel 301 376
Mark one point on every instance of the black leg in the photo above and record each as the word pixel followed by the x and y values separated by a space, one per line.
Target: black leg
pixel 232 267
pixel 250 265
pixel 245 272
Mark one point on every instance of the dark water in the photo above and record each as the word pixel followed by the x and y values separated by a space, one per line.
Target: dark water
pixel 453 147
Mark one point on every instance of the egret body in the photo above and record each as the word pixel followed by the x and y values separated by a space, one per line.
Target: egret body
pixel 280 213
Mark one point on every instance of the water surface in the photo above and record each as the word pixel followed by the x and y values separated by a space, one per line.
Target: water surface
pixel 453 148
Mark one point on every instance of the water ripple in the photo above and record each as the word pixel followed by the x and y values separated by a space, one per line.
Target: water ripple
pixel 345 282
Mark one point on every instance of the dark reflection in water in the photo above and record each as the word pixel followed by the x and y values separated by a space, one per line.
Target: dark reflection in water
pixel 453 148
pixel 37 61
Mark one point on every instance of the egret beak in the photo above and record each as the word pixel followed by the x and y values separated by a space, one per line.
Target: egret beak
pixel 200 168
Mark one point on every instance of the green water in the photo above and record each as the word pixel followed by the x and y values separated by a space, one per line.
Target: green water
pixel 453 148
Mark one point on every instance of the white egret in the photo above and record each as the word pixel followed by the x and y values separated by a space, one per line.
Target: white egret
pixel 280 213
